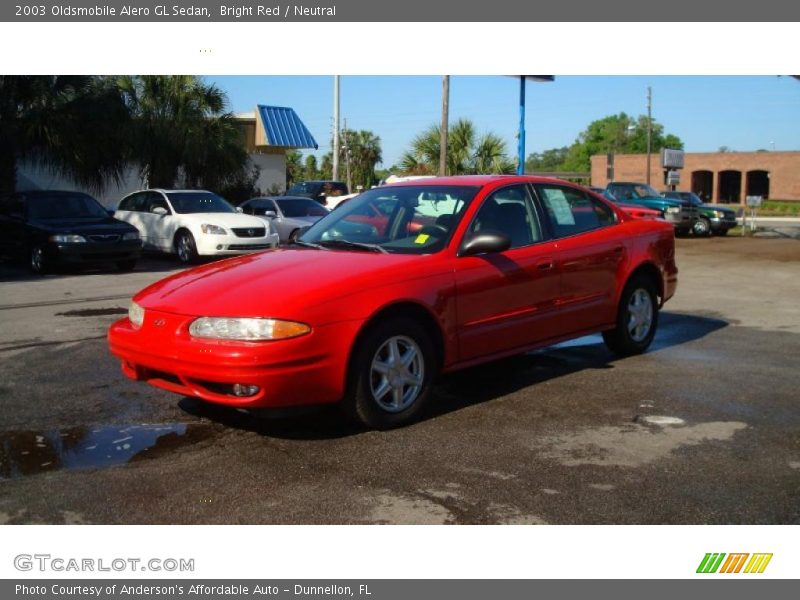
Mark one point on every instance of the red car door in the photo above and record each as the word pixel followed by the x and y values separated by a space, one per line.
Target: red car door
pixel 506 300
pixel 591 252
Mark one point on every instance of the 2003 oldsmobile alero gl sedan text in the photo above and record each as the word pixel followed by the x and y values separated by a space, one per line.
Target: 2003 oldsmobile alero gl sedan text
pixel 402 283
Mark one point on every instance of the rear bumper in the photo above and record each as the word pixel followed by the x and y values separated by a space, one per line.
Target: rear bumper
pixel 89 252
pixel 302 371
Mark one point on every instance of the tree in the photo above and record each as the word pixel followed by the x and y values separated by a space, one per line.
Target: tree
pixel 71 125
pixel 363 150
pixel 619 134
pixel 181 130
pixel 294 167
pixel 310 169
pixel 466 153
pixel 548 160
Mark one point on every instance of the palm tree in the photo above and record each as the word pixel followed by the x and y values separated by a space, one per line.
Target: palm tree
pixel 294 167
pixel 466 153
pixel 71 125
pixel 364 149
pixel 182 130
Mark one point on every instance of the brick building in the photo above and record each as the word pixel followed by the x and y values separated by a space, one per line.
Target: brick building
pixel 726 177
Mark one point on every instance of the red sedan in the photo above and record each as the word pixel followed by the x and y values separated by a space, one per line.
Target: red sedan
pixel 367 313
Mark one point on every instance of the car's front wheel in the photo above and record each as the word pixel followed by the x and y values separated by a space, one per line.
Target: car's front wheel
pixel 186 248
pixel 391 374
pixel 637 318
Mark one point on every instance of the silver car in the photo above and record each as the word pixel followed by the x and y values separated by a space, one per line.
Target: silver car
pixel 286 214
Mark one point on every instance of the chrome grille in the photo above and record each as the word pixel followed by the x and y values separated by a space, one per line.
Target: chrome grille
pixel 249 232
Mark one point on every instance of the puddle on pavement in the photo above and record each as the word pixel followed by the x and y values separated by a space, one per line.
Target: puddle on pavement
pixel 24 453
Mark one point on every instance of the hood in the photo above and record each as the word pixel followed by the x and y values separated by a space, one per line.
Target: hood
pixel 92 226
pixel 224 219
pixel 277 283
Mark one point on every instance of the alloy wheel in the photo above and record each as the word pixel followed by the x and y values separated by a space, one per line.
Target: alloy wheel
pixel 397 373
pixel 640 315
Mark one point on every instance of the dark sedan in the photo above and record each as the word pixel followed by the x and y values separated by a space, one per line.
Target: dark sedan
pixel 50 227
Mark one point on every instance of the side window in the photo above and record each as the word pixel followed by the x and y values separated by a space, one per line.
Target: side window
pixel 154 199
pixel 510 211
pixel 571 211
pixel 248 209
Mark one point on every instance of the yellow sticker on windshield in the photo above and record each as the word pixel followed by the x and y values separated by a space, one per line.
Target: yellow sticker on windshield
pixel 421 238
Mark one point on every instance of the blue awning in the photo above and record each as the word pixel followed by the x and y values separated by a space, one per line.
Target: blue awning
pixel 284 128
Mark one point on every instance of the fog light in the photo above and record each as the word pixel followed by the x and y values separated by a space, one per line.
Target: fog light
pixel 219 246
pixel 241 389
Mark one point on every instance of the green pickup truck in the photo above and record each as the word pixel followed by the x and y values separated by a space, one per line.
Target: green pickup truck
pixel 711 218
pixel 681 213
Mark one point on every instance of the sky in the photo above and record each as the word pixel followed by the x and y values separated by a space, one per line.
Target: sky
pixel 706 112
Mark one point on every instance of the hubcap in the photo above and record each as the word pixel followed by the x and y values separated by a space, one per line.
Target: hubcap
pixel 37 258
pixel 700 227
pixel 640 315
pixel 183 248
pixel 396 374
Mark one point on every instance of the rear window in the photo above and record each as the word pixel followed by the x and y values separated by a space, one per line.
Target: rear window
pixel 301 208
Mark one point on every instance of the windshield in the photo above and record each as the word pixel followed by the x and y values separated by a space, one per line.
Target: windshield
pixel 199 202
pixel 62 206
pixel 300 207
pixel 402 219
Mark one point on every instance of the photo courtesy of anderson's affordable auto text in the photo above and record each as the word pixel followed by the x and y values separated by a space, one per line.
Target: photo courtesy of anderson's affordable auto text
pixel 287 310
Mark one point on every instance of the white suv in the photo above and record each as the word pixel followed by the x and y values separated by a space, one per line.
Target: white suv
pixel 193 223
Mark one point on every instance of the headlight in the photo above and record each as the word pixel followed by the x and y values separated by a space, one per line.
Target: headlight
pixel 212 229
pixel 719 213
pixel 136 315
pixel 223 328
pixel 131 235
pixel 673 210
pixel 67 239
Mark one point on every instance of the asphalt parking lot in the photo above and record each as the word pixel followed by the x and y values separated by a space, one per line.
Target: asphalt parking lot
pixel 704 428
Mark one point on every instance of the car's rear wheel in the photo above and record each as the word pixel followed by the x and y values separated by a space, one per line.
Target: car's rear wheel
pixel 391 374
pixel 126 265
pixel 38 260
pixel 186 248
pixel 637 318
pixel 702 227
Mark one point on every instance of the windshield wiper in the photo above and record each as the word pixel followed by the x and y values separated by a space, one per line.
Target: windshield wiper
pixel 354 245
pixel 307 245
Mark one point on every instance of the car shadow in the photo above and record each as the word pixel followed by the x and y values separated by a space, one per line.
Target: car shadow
pixel 17 270
pixel 462 389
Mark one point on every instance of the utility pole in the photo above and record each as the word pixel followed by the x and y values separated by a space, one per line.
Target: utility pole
pixel 347 156
pixel 445 125
pixel 335 128
pixel 649 128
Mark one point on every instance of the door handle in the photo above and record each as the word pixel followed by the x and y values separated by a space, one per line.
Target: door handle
pixel 544 264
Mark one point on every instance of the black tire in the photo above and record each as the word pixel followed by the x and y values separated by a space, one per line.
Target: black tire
pixel 38 261
pixel 126 265
pixel 702 227
pixel 185 248
pixel 621 340
pixel 360 403
pixel 293 235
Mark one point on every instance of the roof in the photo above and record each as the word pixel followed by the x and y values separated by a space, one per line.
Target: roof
pixel 478 180
pixel 284 128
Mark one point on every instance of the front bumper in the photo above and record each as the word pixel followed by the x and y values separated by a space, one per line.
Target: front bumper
pixel 301 371
pixel 682 221
pixel 89 252
pixel 229 244
pixel 723 223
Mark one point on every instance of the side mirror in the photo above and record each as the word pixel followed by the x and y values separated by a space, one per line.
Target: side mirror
pixel 159 210
pixel 486 242
pixel 239 209
pixel 270 214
